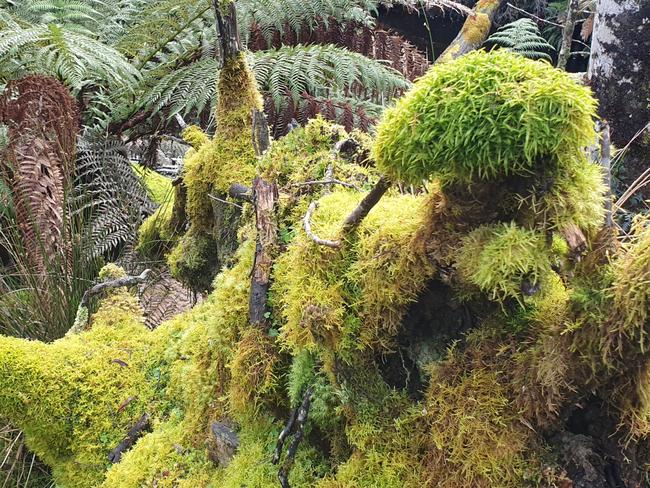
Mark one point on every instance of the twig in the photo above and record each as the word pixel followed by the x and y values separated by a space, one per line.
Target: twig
pixel 311 235
pixel 224 201
pixel 567 33
pixel 299 417
pixel 606 163
pixel 118 283
pixel 366 205
pixel 132 435
pixel 180 121
pixel 324 182
pixel 533 16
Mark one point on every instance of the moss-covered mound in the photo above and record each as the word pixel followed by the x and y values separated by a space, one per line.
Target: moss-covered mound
pixel 485 116
pixel 455 338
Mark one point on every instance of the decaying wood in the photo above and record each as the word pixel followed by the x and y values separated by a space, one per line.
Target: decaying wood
pixel 306 222
pixel 223 445
pixel 240 192
pixel 229 43
pixel 606 163
pixel 366 205
pixel 107 285
pixel 141 426
pixel 261 135
pixel 265 199
pixel 575 239
pixel 296 423
pixel 180 121
pixel 567 33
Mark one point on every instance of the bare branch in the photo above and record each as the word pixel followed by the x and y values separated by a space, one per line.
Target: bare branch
pixel 567 33
pixel 366 205
pixel 606 163
pixel 131 437
pixel 311 235
pixel 107 285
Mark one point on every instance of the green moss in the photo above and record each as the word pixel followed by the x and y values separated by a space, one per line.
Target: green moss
pixel 378 274
pixel 499 260
pixel 485 116
pixel 159 187
pixel 193 135
pixel 194 260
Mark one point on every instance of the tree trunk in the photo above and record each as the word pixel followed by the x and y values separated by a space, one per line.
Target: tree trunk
pixel 619 72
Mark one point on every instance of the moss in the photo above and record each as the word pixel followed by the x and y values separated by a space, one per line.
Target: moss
pixel 377 275
pixel 195 136
pixel 485 116
pixel 503 259
pixel 157 233
pixel 159 187
pixel 194 260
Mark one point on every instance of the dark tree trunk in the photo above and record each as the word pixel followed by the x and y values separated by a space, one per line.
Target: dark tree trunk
pixel 619 71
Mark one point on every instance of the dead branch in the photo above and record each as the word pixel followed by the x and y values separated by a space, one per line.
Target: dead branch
pixel 567 33
pixel 229 43
pixel 118 283
pixel 298 420
pixel 307 226
pixel 324 182
pixel 265 198
pixel 221 200
pixel 366 205
pixel 606 163
pixel 135 432
pixel 474 31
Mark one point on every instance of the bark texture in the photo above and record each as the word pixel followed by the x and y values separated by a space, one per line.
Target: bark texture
pixel 619 71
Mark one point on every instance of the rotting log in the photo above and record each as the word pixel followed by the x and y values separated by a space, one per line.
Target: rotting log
pixel 265 199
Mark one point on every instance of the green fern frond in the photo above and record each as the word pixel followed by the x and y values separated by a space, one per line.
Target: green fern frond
pixel 522 37
pixel 325 71
pixel 72 57
pixel 271 16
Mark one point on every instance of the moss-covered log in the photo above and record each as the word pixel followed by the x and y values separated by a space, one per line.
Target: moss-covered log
pixel 445 343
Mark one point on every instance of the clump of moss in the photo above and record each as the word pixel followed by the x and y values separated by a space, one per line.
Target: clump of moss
pixel 193 135
pixel 485 116
pixel 159 187
pixel 194 260
pixel 355 298
pixel 504 259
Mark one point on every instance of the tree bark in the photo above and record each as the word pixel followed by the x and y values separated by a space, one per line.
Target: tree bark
pixel 265 197
pixel 619 73
pixel 474 32
pixel 227 30
pixel 567 33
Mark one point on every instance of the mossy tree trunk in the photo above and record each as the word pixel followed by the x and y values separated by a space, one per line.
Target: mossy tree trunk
pixel 474 31
pixel 619 71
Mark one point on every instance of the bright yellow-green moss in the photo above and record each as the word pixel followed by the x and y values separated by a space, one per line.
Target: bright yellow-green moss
pixel 156 233
pixel 377 274
pixel 158 187
pixel 485 116
pixel 76 398
pixel 193 135
pixel 499 258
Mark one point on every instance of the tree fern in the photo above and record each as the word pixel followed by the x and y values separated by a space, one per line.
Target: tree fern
pixel 522 37
pixel 325 71
pixel 272 16
pixel 74 58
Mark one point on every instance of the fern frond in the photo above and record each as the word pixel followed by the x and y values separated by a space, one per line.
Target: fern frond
pixel 325 71
pixel 522 37
pixel 72 57
pixel 271 16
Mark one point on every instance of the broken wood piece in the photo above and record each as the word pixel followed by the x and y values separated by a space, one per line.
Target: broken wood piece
pixel 238 191
pixel 135 432
pixel 223 444
pixel 265 198
pixel 366 205
pixel 576 240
